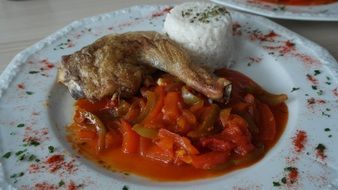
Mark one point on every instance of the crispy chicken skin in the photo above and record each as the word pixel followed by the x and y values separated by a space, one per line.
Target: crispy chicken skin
pixel 117 64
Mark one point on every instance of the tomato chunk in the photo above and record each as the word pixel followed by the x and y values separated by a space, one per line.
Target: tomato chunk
pixel 234 137
pixel 237 130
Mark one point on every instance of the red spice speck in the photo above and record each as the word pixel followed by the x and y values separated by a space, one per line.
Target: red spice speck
pixel 287 48
pixel 126 24
pixel 299 140
pixel 320 151
pixel 31 139
pixel 30 62
pixel 21 86
pixel 293 175
pixel 312 79
pixel 69 166
pixel 308 60
pixel 312 102
pixel 71 186
pixel 70 44
pixel 45 186
pixel 320 180
pixel 236 29
pixel 320 154
pixel 270 37
pixel 39 135
pixel 55 158
pixel 255 59
pixel 34 168
pixel 291 160
pixel 335 92
pixel 47 65
pixel 319 101
pixel 55 162
pixel 162 12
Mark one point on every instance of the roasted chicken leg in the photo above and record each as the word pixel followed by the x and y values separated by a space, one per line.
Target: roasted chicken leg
pixel 117 64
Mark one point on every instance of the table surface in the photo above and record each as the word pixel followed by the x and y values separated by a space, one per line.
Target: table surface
pixel 24 22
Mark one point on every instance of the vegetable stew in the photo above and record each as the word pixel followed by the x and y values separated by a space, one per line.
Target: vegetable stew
pixel 169 132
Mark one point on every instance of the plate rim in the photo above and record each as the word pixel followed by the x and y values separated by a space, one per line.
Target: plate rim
pixel 13 68
pixel 282 15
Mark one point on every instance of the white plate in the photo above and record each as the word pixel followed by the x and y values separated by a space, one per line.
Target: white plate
pixel 327 12
pixel 31 97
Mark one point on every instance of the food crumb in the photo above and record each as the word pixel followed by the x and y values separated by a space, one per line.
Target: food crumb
pixel 21 86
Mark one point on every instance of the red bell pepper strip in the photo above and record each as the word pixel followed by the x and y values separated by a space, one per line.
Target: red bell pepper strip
pixel 159 92
pixel 170 109
pixel 209 160
pixel 267 130
pixel 130 142
pixel 100 128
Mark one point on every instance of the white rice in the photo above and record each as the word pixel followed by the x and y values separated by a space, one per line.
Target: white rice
pixel 205 30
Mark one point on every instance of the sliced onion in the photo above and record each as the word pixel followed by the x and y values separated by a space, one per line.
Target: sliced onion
pixel 100 128
pixel 144 131
pixel 151 102
pixel 224 116
pixel 207 125
pixel 267 97
pixel 188 97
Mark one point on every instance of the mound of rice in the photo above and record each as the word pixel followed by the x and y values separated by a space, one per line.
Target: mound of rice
pixel 205 30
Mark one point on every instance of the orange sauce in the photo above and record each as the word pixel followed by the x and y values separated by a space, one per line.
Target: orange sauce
pixel 115 160
pixel 301 2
